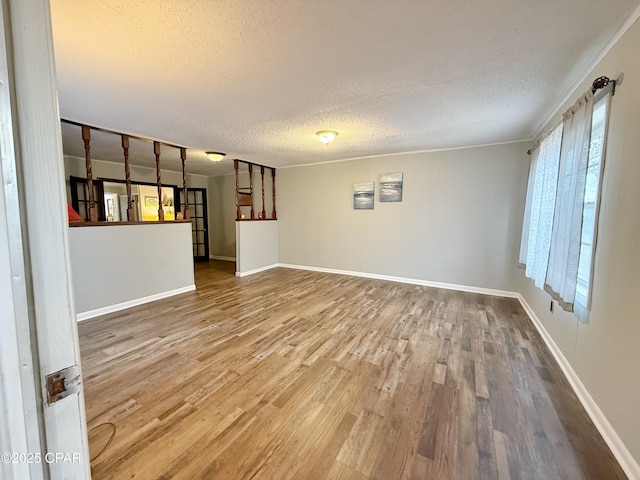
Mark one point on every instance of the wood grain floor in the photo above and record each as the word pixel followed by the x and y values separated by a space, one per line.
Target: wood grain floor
pixel 300 375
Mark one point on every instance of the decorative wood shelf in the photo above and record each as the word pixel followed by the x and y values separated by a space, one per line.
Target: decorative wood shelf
pixel 255 219
pixel 244 199
pixel 110 224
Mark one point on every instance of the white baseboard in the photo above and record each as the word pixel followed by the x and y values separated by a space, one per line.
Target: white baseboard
pixel 412 281
pixel 221 257
pixel 132 303
pixel 618 448
pixel 256 270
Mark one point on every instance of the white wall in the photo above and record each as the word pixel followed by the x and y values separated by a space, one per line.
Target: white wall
pixel 459 221
pixel 222 216
pixel 222 208
pixel 257 245
pixel 605 353
pixel 117 266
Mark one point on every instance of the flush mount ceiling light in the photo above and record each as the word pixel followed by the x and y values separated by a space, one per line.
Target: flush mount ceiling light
pixel 215 156
pixel 327 136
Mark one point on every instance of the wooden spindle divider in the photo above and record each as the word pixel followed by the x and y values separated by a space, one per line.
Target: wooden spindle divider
pixel 127 177
pixel 185 209
pixel 156 151
pixel 244 195
pixel 273 177
pixel 86 138
pixel 251 189
pixel 92 201
pixel 238 211
pixel 264 212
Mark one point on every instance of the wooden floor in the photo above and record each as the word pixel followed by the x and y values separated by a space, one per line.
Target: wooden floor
pixel 291 374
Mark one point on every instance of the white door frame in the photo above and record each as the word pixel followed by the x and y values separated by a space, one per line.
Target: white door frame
pixel 37 315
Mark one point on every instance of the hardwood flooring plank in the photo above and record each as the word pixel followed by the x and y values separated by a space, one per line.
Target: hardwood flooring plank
pixel 502 461
pixel 323 464
pixel 360 448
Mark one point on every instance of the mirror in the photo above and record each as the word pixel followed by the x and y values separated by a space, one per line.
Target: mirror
pixel 145 202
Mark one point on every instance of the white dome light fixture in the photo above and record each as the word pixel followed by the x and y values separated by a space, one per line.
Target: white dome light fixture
pixel 215 156
pixel 327 136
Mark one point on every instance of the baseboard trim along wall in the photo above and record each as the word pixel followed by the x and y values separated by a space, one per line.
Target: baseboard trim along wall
pixel 619 450
pixel 222 257
pixel 256 270
pixel 412 281
pixel 132 303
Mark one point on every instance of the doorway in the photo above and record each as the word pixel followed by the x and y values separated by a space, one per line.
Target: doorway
pixel 197 203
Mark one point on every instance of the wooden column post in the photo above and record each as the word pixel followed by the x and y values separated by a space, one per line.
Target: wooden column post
pixel 273 176
pixel 127 177
pixel 185 209
pixel 156 151
pixel 238 211
pixel 86 137
pixel 264 212
pixel 251 189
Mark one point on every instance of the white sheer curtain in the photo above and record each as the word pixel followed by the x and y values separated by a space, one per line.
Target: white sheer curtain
pixel 524 239
pixel 541 198
pixel 564 253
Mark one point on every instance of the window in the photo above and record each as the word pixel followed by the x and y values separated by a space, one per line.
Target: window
pixel 591 204
pixel 564 194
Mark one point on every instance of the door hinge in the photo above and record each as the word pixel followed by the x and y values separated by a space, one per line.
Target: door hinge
pixel 63 383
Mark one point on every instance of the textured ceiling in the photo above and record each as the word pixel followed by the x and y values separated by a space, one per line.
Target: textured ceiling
pixel 256 79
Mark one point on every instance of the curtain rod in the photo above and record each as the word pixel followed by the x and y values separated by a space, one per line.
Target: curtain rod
pixel 599 84
pixel 602 82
